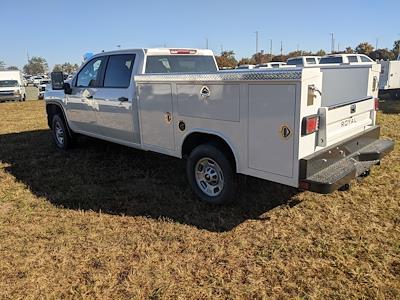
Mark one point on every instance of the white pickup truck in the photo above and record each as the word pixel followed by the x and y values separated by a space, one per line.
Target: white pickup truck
pixel 273 124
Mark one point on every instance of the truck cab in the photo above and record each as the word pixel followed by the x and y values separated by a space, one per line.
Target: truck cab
pixel 289 126
pixel 346 59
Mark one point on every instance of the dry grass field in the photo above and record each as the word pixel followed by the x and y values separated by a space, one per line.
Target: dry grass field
pixel 108 222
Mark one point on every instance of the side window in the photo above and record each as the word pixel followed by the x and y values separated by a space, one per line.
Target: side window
pixel 311 60
pixel 119 71
pixel 365 59
pixel 352 59
pixel 88 76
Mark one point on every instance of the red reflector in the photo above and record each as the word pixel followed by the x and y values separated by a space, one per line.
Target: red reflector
pixel 182 51
pixel 376 104
pixel 310 124
pixel 304 185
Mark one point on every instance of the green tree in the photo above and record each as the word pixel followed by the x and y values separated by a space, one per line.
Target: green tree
pixel 320 53
pixel 12 68
pixel 36 65
pixel 364 48
pixel 384 54
pixel 226 59
pixel 2 65
pixel 246 61
pixel 260 58
pixel 349 50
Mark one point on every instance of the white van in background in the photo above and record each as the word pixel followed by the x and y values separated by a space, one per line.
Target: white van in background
pixel 12 86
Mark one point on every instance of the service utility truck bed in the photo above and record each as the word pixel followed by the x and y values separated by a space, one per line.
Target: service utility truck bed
pixel 271 124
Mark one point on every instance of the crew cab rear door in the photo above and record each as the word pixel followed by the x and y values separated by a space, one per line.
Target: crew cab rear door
pixel 115 100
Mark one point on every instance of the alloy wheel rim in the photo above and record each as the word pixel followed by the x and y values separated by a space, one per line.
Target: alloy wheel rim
pixel 59 131
pixel 209 177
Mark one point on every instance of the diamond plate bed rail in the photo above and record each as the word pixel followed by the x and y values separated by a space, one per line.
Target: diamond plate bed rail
pixel 281 75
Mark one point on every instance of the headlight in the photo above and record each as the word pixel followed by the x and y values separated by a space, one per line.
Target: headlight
pixel 17 92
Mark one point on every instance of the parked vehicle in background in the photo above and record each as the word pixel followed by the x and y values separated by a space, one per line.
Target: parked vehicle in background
pixel 389 80
pixel 12 86
pixel 42 87
pixel 36 80
pixel 278 125
pixel 303 61
pixel 245 67
pixel 273 64
pixel 345 59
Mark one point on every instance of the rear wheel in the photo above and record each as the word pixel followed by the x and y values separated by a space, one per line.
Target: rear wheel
pixel 211 174
pixel 59 130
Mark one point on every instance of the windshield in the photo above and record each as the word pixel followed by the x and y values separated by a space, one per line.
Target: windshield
pixel 8 83
pixel 180 64
pixel 331 60
pixel 45 82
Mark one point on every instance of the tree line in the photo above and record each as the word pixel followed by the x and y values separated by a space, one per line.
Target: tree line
pixel 227 59
pixel 38 65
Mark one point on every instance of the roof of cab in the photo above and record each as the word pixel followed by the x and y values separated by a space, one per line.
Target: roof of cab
pixel 162 51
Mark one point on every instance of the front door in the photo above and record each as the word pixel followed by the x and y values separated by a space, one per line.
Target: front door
pixel 81 103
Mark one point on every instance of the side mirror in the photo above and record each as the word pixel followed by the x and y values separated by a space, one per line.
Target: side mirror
pixel 57 80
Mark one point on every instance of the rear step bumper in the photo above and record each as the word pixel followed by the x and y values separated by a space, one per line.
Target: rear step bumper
pixel 329 169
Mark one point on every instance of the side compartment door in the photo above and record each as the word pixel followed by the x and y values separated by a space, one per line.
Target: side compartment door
pixel 155 106
pixel 271 128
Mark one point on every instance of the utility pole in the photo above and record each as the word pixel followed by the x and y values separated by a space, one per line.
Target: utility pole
pixel 332 43
pixel 376 43
pixel 270 49
pixel 338 47
pixel 222 48
pixel 206 43
pixel 256 41
pixel 281 48
pixel 119 46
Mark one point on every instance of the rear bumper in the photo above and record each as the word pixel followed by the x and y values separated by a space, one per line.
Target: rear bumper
pixel 329 169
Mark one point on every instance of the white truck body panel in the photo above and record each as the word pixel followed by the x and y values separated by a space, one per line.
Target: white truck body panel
pixel 257 113
pixel 390 75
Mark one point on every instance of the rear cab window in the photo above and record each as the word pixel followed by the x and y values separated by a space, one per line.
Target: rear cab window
pixel 295 62
pixel 118 72
pixel 331 60
pixel 157 64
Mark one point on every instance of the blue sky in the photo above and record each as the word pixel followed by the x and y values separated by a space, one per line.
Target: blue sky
pixel 62 31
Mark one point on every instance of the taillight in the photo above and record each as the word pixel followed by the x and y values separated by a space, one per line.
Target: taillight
pixel 182 51
pixel 376 104
pixel 310 124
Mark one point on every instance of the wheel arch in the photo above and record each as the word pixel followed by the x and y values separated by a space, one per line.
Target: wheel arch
pixel 199 137
pixel 53 108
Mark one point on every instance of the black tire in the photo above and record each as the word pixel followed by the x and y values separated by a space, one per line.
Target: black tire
pixel 23 99
pixel 211 153
pixel 58 123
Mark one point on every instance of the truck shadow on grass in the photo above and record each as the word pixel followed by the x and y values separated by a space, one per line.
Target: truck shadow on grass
pixel 113 179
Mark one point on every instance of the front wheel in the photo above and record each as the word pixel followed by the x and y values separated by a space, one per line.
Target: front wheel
pixel 211 175
pixel 60 134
